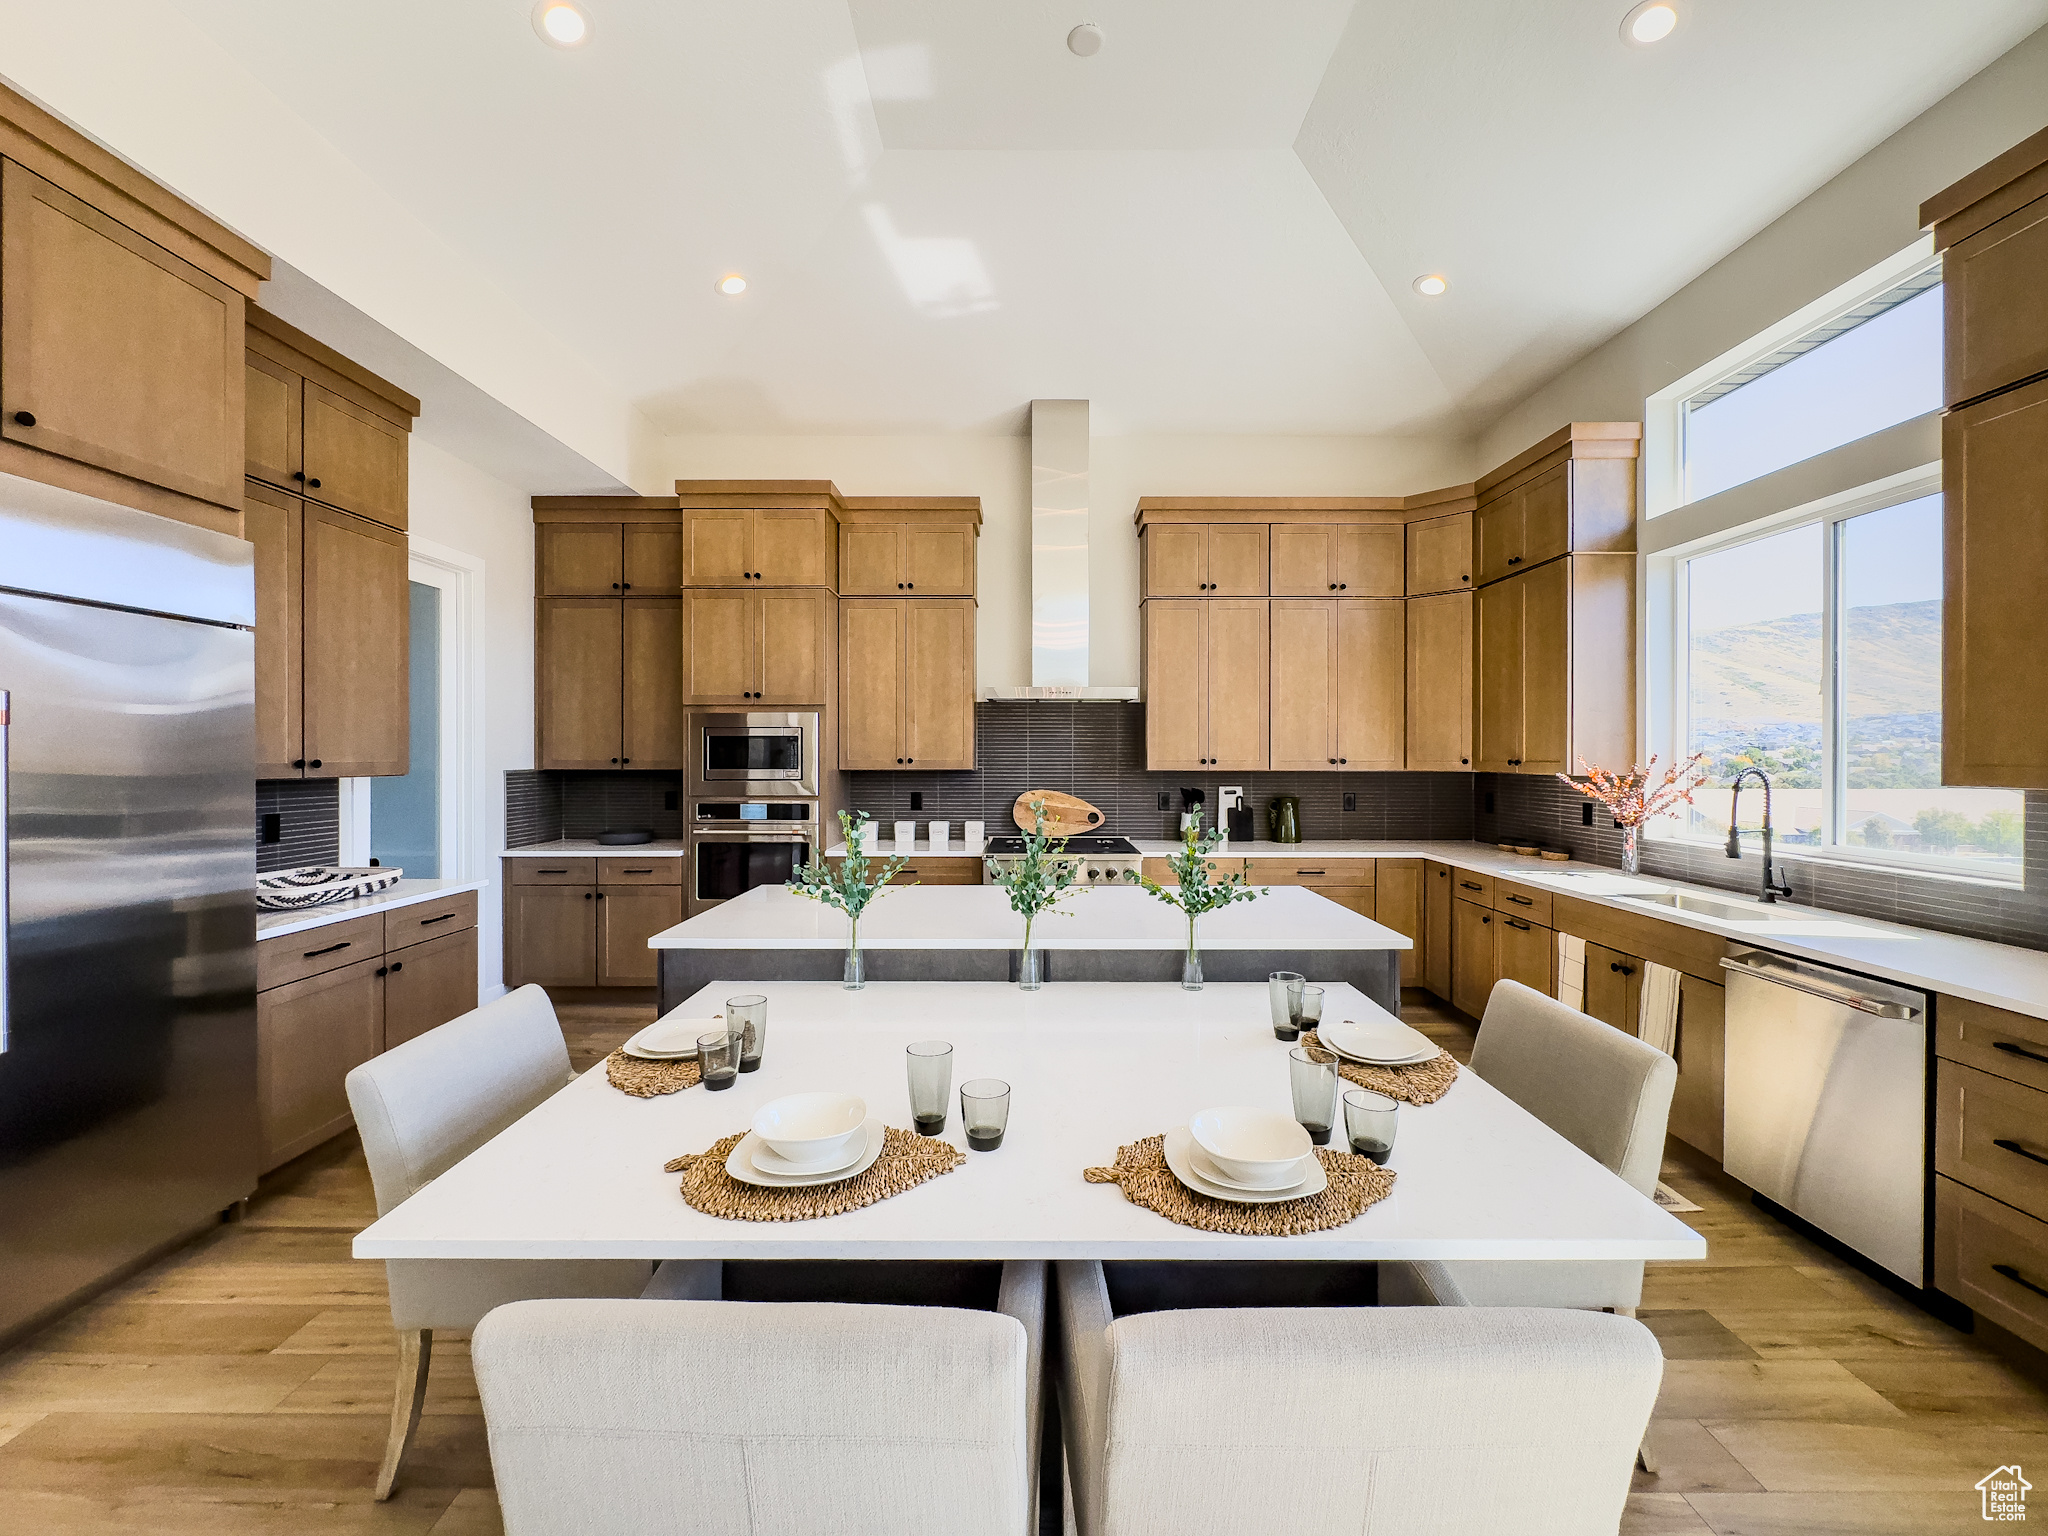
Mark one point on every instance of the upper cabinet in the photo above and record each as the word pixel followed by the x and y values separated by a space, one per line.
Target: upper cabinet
pixel 906 683
pixel 1440 554
pixel 1573 493
pixel 321 427
pixel 1555 661
pixel 891 546
pixel 1206 680
pixel 1440 682
pixel 121 319
pixel 1182 559
pixel 1355 559
pixel 772 533
pixel 1338 684
pixel 609 558
pixel 1992 227
pixel 749 648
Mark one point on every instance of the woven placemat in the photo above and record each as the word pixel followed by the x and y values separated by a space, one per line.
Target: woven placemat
pixel 1423 1083
pixel 1141 1172
pixel 650 1079
pixel 907 1161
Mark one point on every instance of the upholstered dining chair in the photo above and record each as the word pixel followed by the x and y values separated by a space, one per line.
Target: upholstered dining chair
pixel 420 1109
pixel 616 1418
pixel 1415 1421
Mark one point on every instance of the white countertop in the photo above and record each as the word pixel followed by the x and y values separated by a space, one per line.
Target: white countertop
pixel 577 848
pixel 1090 1067
pixel 979 917
pixel 275 925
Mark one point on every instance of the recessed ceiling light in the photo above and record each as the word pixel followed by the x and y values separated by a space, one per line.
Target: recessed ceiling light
pixel 1650 22
pixel 558 22
pixel 1085 41
pixel 732 284
pixel 1430 284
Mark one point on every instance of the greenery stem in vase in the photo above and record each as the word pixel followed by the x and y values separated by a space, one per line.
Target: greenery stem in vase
pixel 1036 882
pixel 1633 798
pixel 847 887
pixel 1200 890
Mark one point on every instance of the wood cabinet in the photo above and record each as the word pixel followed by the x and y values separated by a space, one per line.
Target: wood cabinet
pixel 1338 684
pixel 320 426
pixel 1527 952
pixel 1555 667
pixel 333 612
pixel 1437 903
pixel 1614 988
pixel 1992 230
pixel 788 546
pixel 1399 906
pixel 608 682
pixel 1204 559
pixel 1206 672
pixel 1572 493
pixel 1440 554
pixel 766 647
pixel 878 559
pixel 1992 1258
pixel 585 922
pixel 1439 693
pixel 906 683
pixel 330 998
pixel 1360 559
pixel 608 560
pixel 1475 956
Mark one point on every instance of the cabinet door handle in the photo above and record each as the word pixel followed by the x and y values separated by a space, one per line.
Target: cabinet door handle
pixel 1514 559
pixel 1616 966
pixel 1464 760
pixel 637 871
pixel 588 895
pixel 383 970
pixel 2018 1050
pixel 314 764
pixel 332 949
pixel 1518 923
pixel 1523 901
pixel 314 483
pixel 298 762
pixel 551 871
pixel 911 585
pixel 1343 760
pixel 2018 1151
pixel 428 922
pixel 24 418
pixel 1311 871
pixel 2017 1278
pixel 624 761
pixel 299 475
pixel 398 965
pixel 1468 885
pixel 1486 919
pixel 1333 762
pixel 600 895
pixel 625 586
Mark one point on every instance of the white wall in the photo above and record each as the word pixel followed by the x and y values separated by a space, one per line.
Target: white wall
pixel 1866 214
pixel 456 504
pixel 998 470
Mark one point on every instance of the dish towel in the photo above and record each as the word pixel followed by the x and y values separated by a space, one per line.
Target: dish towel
pixel 1657 1023
pixel 1571 971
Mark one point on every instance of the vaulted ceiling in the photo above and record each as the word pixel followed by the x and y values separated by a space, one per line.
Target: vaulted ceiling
pixel 1209 227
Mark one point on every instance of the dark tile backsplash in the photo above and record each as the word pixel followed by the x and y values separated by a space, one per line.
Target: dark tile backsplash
pixel 541 806
pixel 1097 750
pixel 1542 810
pixel 309 821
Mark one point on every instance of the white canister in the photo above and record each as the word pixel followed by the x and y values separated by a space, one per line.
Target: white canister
pixel 941 834
pixel 870 836
pixel 906 836
pixel 973 831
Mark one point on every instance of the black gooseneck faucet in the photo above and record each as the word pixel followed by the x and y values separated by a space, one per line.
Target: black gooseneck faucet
pixel 1772 888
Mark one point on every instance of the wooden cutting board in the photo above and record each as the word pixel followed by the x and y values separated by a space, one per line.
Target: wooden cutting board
pixel 1064 814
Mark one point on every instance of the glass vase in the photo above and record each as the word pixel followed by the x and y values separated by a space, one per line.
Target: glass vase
pixel 1031 970
pixel 1191 963
pixel 855 976
pixel 1631 860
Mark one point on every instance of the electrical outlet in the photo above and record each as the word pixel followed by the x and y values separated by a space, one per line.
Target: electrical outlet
pixel 1586 814
pixel 668 799
pixel 1350 802
pixel 1165 801
pixel 273 828
pixel 916 800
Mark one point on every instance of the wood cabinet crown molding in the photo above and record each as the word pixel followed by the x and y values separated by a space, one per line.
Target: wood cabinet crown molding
pixel 924 510
pixel 1574 440
pixel 1989 193
pixel 822 495
pixel 1304 509
pixel 384 397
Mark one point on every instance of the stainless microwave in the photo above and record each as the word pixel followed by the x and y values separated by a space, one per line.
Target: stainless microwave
pixel 758 753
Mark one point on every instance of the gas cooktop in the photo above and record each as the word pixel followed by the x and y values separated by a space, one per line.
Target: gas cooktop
pixel 1112 847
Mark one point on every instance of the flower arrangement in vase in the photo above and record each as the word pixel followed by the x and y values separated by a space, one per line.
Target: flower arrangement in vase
pixel 848 888
pixel 1633 798
pixel 1200 890
pixel 1037 882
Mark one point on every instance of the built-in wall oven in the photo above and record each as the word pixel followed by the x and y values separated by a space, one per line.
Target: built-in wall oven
pixel 736 845
pixel 758 753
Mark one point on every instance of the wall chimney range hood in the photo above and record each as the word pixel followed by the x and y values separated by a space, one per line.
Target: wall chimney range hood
pixel 1059 559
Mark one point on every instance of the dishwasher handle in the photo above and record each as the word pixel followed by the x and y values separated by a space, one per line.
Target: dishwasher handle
pixel 1783 973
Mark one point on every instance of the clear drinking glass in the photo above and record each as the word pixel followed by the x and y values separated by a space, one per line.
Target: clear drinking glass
pixel 1283 993
pixel 1308 1012
pixel 1312 1073
pixel 747 1017
pixel 718 1058
pixel 930 1064
pixel 984 1112
pixel 1370 1120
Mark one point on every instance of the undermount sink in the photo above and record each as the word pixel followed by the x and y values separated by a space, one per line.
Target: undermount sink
pixel 1725 911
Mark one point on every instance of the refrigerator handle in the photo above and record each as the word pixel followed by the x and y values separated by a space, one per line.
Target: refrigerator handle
pixel 6 973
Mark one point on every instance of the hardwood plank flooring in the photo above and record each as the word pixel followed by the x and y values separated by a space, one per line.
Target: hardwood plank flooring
pixel 240 1386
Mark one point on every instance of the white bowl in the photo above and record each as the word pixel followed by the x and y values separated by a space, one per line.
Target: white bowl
pixel 1257 1147
pixel 808 1127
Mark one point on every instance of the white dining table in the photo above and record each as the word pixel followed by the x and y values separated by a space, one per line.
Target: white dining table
pixel 1091 1066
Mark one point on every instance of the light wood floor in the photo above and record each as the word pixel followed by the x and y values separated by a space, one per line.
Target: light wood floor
pixel 241 1385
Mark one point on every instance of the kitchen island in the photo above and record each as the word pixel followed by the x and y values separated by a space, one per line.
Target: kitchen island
pixel 969 933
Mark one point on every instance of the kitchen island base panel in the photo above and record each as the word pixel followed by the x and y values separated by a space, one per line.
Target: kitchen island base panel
pixel 1374 972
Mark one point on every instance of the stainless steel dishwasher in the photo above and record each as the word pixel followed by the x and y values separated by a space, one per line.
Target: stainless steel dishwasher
pixel 1826 1109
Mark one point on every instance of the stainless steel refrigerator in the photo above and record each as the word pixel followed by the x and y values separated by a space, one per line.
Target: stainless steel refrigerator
pixel 128 974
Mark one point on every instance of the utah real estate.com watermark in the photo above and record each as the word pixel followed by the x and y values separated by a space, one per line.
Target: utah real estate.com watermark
pixel 2005 1495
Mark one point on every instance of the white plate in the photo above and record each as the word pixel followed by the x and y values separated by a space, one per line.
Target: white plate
pixel 1206 1167
pixel 766 1160
pixel 739 1163
pixel 1180 1141
pixel 670 1039
pixel 1372 1061
pixel 1383 1041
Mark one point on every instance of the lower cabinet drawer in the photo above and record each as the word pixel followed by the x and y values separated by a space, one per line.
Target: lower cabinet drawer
pixel 1161 870
pixel 1470 885
pixel 2012 1045
pixel 1523 901
pixel 308 1035
pixel 328 948
pixel 426 985
pixel 429 919
pixel 1992 1135
pixel 929 871
pixel 667 871
pixel 1992 1258
pixel 552 871
pixel 1311 871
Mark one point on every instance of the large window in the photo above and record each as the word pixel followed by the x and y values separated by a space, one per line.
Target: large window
pixel 1814 653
